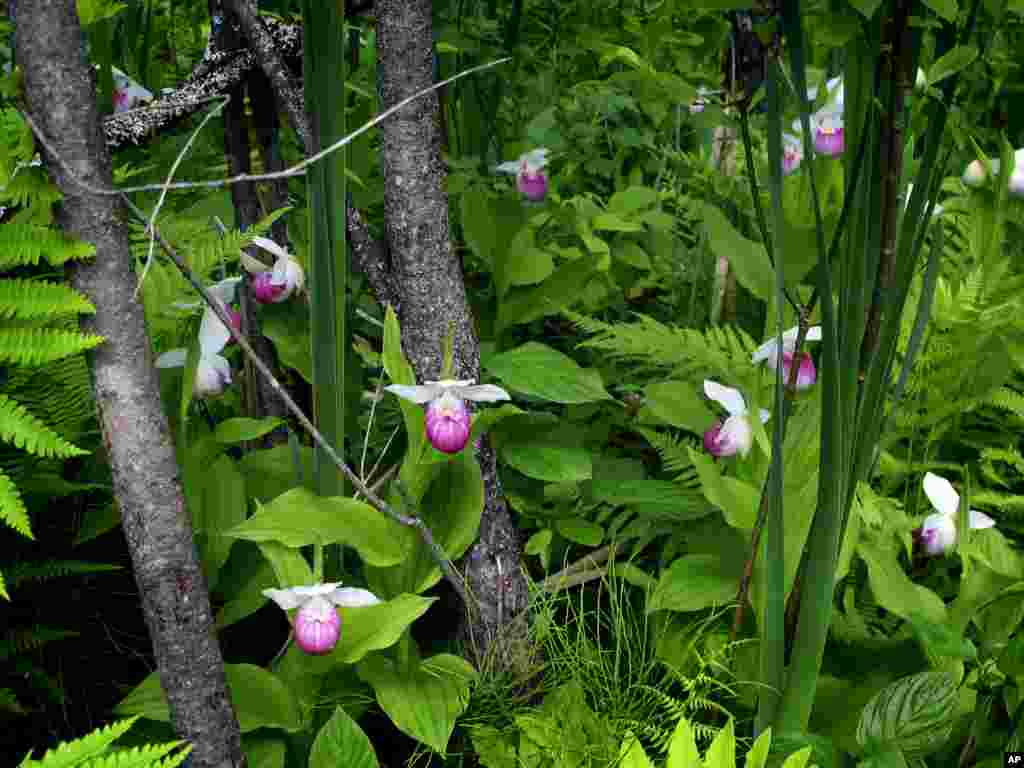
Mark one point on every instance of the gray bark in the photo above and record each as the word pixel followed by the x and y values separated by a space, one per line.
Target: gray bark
pixel 60 90
pixel 427 277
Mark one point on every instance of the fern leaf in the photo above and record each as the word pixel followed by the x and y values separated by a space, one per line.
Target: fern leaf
pixel 675 457
pixel 36 346
pixel 28 243
pixel 1006 399
pixel 59 393
pixel 12 508
pixel 39 299
pixel 24 430
pixel 148 756
pixel 69 754
pixel 54 569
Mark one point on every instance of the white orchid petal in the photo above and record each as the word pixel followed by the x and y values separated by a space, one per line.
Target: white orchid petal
pixel 765 351
pixel 174 358
pixel 727 397
pixel 270 246
pixel 352 597
pixel 449 383
pixel 938 532
pixel 979 520
pixel 252 264
pixel 941 494
pixel 286 599
pixel 535 159
pixel 225 289
pixel 481 393
pixel 318 608
pixel 765 414
pixel 814 333
pixel 213 334
pixel 511 167
pixel 736 433
pixel 423 393
pixel 213 373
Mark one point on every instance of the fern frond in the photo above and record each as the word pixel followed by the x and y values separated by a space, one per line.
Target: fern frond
pixel 69 754
pixel 1006 399
pixel 12 508
pixel 39 299
pixel 148 756
pixel 22 243
pixel 674 455
pixel 36 346
pixel 59 393
pixel 25 639
pixel 54 569
pixel 1009 504
pixel 24 430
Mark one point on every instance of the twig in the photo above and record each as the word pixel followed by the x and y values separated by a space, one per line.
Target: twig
pixel 163 194
pixel 585 564
pixel 378 503
pixel 296 170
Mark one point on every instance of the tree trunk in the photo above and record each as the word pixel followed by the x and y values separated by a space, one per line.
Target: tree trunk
pixel 60 90
pixel 427 277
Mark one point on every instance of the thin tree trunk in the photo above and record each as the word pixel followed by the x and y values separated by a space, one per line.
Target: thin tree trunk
pixel 60 90
pixel 428 278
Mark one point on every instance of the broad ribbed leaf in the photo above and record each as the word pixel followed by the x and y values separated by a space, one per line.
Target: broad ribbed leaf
pixel 915 714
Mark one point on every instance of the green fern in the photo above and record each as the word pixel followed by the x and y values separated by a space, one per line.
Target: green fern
pixel 96 750
pixel 38 346
pixel 35 299
pixel 27 244
pixel 675 457
pixel 21 428
pixel 54 569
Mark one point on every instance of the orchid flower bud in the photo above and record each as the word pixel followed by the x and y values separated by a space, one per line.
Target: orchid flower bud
pixel 792 153
pixel 447 418
pixel 735 434
pixel 317 623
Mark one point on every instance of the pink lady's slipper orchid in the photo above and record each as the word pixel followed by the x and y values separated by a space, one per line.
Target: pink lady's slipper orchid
pixel 276 285
pixel 937 533
pixel 827 122
pixel 531 180
pixel 792 153
pixel 975 174
pixel 317 623
pixel 448 422
pixel 735 435
pixel 806 374
pixel 213 372
pixel 128 94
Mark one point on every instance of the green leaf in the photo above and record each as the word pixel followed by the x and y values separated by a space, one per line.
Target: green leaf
pixel 530 266
pixel 737 500
pixel 632 753
pixel 682 747
pixel 545 457
pixel 947 9
pixel 341 742
pixel 961 57
pixel 1011 660
pixel 373 627
pixel 866 8
pixel 914 714
pixel 423 701
pixel 580 531
pixel 299 517
pixel 243 580
pixel 546 373
pixel 223 507
pixel 562 289
pixel 287 325
pixel 722 752
pixel 260 699
pixel 649 497
pixel 290 567
pixel 990 547
pixel 453 504
pixel 695 582
pixel 264 751
pixel 612 222
pixel 484 420
pixel 678 404
pixel 240 429
pixel 272 471
pixel 894 590
pixel 631 254
pixel 747 258
pixel 632 199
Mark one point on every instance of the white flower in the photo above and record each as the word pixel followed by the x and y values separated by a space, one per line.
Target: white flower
pixel 975 174
pixel 128 94
pixel 447 421
pixel 735 435
pixel 806 374
pixel 317 624
pixel 938 532
pixel 276 285
pixel 213 371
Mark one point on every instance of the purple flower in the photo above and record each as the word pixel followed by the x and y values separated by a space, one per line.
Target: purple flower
pixel 806 374
pixel 447 419
pixel 792 153
pixel 282 281
pixel 735 434
pixel 937 534
pixel 531 181
pixel 828 138
pixel 317 623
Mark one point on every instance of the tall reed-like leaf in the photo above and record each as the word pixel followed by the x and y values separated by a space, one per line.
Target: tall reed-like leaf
pixel 324 80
